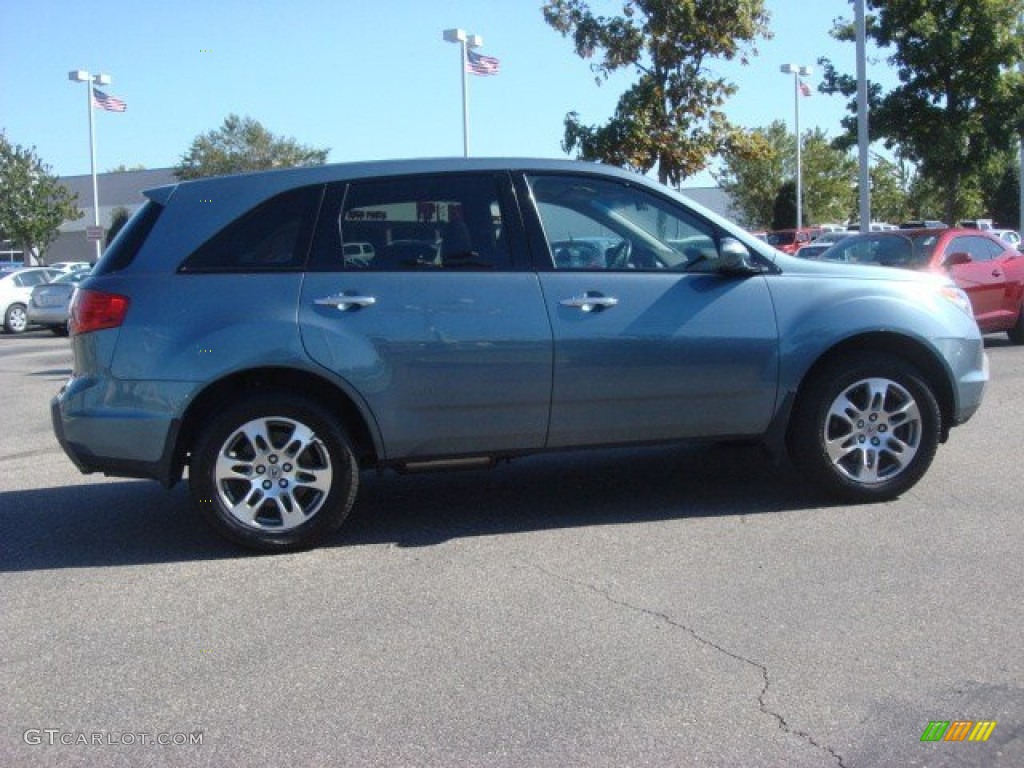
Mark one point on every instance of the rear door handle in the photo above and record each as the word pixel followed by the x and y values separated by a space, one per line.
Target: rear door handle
pixel 346 302
pixel 591 301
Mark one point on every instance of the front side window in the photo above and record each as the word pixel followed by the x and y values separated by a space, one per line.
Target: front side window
pixel 272 237
pixel 601 224
pixel 416 223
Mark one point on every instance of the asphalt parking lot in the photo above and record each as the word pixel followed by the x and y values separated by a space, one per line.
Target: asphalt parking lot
pixel 667 606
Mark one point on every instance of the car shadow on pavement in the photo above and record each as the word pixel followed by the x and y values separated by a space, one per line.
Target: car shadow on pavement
pixel 586 488
pixel 138 522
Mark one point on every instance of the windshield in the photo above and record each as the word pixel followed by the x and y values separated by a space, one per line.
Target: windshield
pixel 887 250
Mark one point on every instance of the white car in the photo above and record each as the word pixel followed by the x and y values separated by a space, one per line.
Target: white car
pixel 1009 235
pixel 15 292
pixel 71 266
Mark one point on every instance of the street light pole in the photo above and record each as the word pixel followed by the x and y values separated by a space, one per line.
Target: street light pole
pixel 797 72
pixel 863 138
pixel 465 41
pixel 81 76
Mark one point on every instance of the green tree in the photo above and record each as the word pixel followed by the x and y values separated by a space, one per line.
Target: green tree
pixel 753 183
pixel 33 202
pixel 890 192
pixel 243 144
pixel 671 119
pixel 828 178
pixel 960 99
pixel 118 218
pixel 784 206
pixel 1003 202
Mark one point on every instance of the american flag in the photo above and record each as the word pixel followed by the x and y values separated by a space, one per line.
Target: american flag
pixel 109 103
pixel 479 64
pixel 805 89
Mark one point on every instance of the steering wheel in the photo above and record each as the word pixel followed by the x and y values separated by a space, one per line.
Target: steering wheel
pixel 618 255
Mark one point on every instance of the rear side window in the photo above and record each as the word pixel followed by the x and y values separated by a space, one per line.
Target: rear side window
pixel 417 223
pixel 272 237
pixel 122 251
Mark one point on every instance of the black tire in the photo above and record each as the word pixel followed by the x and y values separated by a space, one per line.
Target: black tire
pixel 59 330
pixel 881 419
pixel 16 319
pixel 305 492
pixel 1016 333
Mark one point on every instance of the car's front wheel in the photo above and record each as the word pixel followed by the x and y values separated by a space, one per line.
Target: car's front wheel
pixel 274 473
pixel 15 319
pixel 866 427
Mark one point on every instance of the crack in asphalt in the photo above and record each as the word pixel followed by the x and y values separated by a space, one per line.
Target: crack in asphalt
pixel 783 725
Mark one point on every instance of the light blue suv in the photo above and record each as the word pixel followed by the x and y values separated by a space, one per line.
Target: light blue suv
pixel 496 308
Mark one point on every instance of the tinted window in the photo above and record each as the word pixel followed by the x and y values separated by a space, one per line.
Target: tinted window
pixel 273 236
pixel 122 251
pixel 416 223
pixel 599 224
pixel 978 248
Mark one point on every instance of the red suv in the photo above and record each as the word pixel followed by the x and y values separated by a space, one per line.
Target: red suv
pixel 986 267
pixel 789 240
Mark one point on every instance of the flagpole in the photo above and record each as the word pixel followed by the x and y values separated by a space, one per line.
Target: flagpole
pixel 465 101
pixel 92 167
pixel 81 76
pixel 465 42
pixel 797 71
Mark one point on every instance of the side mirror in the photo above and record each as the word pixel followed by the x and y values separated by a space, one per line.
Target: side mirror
pixel 733 256
pixel 956 259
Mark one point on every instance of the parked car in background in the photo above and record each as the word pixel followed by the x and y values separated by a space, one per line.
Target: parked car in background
pixel 50 303
pixel 828 238
pixel 236 341
pixel 15 293
pixel 1011 236
pixel 788 240
pixel 71 266
pixel 987 268
pixel 812 250
pixel 924 224
pixel 875 226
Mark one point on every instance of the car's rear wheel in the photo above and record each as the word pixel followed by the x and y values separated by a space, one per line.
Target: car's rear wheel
pixel 15 319
pixel 274 473
pixel 1016 333
pixel 866 427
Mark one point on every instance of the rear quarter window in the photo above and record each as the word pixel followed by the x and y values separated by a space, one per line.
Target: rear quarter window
pixel 123 250
pixel 272 237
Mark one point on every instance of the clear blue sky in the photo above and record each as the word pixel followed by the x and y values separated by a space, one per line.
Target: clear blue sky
pixel 368 79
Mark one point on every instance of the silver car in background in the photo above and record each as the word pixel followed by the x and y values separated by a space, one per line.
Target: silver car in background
pixel 50 303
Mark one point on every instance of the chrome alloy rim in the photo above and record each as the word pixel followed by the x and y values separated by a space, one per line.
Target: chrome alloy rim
pixel 873 431
pixel 18 319
pixel 273 473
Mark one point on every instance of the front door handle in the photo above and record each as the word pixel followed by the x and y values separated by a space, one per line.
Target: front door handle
pixel 346 302
pixel 591 301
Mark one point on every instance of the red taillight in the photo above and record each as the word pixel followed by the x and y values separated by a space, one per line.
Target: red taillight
pixel 95 310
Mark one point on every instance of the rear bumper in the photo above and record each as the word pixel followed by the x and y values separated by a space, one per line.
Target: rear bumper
pixel 98 436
